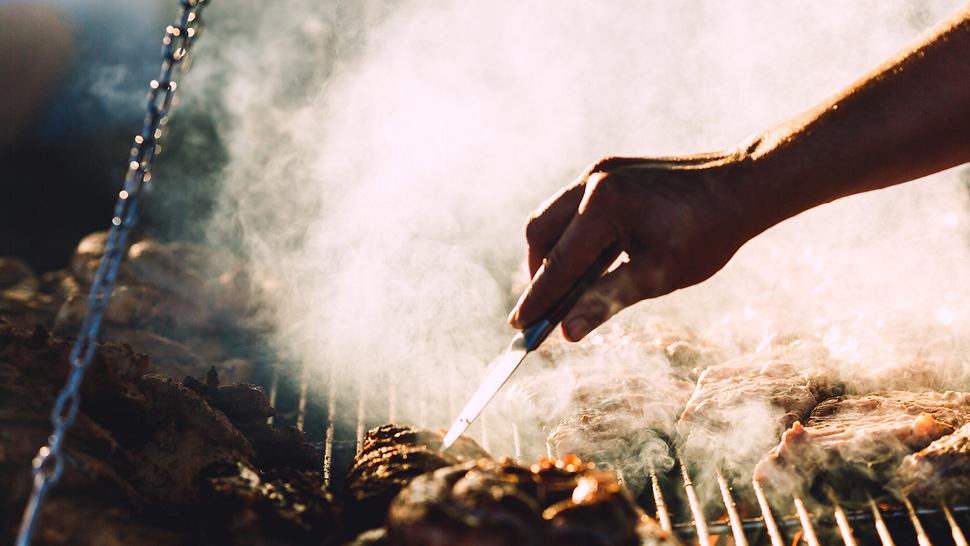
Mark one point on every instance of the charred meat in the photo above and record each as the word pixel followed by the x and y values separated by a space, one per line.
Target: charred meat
pixel 247 507
pixel 500 503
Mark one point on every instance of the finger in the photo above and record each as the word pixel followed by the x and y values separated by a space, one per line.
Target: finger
pixel 585 238
pixel 549 221
pixel 627 284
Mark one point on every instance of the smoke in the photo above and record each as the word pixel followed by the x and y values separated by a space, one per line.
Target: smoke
pixel 383 159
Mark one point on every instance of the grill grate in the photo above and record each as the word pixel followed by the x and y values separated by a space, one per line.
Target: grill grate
pixel 673 498
pixel 928 526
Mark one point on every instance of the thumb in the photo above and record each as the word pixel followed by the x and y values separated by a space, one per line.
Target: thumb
pixel 613 292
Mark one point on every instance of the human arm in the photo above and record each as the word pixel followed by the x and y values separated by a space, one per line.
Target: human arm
pixel 681 219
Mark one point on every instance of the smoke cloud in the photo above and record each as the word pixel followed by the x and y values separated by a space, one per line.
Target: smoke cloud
pixel 383 159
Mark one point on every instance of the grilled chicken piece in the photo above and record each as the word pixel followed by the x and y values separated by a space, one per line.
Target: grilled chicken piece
pixel 499 503
pixel 849 439
pixel 940 471
pixel 390 457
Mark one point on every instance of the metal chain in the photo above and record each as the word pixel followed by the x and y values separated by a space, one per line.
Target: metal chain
pixel 48 465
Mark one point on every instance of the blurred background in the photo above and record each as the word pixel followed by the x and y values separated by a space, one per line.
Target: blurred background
pixel 74 74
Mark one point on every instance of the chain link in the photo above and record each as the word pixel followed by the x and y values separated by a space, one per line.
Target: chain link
pixel 48 465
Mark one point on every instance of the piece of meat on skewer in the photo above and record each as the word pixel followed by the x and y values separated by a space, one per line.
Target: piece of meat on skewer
pixel 861 439
pixel 488 503
pixel 940 471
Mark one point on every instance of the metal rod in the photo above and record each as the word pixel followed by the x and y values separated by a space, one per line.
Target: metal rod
pixel 881 529
pixel 955 530
pixel 921 537
pixel 331 422
pixel 807 528
pixel 844 528
pixel 516 443
pixel 732 509
pixel 361 411
pixel 663 515
pixel 274 385
pixel 304 386
pixel 700 524
pixel 771 526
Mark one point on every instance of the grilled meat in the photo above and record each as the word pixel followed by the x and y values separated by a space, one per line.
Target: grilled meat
pixel 940 471
pixel 138 456
pixel 853 438
pixel 243 506
pixel 739 408
pixel 615 402
pixel 623 421
pixel 499 503
pixel 390 457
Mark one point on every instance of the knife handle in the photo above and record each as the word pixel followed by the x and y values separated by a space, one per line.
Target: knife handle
pixel 537 332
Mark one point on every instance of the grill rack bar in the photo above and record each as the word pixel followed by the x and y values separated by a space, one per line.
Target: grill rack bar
pixel 328 435
pixel 734 519
pixel 771 526
pixel 844 527
pixel 921 537
pixel 958 538
pixel 700 524
pixel 881 528
pixel 806 520
pixel 663 515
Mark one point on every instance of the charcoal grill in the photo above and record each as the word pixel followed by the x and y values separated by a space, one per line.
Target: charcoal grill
pixel 746 514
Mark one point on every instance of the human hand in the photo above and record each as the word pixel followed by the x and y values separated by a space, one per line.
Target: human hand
pixel 679 220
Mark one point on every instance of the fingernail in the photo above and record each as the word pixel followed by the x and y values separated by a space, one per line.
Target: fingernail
pixel 513 316
pixel 577 328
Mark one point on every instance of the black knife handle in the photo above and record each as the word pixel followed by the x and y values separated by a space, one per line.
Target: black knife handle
pixel 538 331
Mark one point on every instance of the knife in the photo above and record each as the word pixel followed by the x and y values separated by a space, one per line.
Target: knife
pixel 525 342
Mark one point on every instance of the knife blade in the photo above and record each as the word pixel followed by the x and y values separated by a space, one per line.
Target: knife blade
pixel 522 344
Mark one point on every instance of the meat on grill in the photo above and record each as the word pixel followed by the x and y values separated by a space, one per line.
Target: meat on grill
pixel 390 457
pixel 940 471
pixel 499 503
pixel 754 398
pixel 615 398
pixel 851 438
pixel 623 421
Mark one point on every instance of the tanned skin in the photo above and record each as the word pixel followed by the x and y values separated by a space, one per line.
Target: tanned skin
pixel 680 219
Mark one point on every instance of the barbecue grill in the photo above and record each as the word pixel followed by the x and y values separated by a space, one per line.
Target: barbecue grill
pixel 739 514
